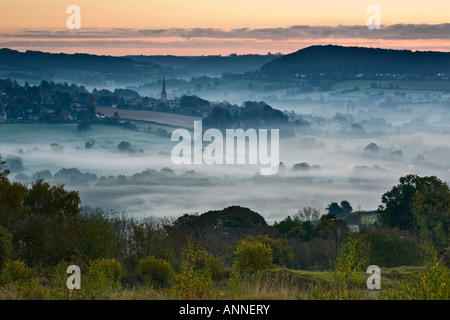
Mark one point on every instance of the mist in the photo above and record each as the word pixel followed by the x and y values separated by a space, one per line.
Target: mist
pixel 316 168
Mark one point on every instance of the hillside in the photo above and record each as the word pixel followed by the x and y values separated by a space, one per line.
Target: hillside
pixel 339 63
pixel 212 66
pixel 80 68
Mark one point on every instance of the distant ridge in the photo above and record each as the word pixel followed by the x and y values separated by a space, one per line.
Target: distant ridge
pixel 339 62
pixel 210 65
pixel 78 66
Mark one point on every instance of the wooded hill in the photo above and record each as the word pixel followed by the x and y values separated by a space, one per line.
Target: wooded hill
pixel 339 63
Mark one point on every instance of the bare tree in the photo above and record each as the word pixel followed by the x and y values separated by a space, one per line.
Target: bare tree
pixel 308 214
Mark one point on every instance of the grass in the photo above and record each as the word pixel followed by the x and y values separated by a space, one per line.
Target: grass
pixel 276 284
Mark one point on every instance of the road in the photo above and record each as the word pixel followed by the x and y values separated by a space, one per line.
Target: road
pixel 176 120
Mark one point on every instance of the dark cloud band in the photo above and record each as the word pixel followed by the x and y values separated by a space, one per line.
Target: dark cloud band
pixel 391 32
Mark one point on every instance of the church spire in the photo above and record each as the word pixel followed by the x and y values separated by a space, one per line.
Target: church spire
pixel 163 93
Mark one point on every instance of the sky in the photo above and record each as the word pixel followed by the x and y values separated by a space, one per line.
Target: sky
pixel 213 27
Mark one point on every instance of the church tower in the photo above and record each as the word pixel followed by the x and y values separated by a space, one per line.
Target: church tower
pixel 163 93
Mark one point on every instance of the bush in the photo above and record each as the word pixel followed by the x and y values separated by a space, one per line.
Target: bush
pixel 155 271
pixel 15 271
pixel 111 269
pixel 435 279
pixel 103 276
pixel 195 280
pixel 350 265
pixel 282 252
pixel 59 276
pixel 392 248
pixel 214 267
pixel 253 256
pixel 430 284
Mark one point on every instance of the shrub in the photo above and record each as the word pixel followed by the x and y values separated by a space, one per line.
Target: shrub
pixel 214 267
pixel 435 279
pixel 253 256
pixel 431 284
pixel 59 276
pixel 281 251
pixel 111 269
pixel 156 271
pixel 102 277
pixel 195 280
pixel 392 248
pixel 350 265
pixel 15 271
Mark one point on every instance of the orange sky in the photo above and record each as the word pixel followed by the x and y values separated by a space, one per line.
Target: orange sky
pixel 40 19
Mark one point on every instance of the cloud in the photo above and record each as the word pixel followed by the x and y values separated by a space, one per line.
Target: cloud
pixel 390 32
pixel 200 41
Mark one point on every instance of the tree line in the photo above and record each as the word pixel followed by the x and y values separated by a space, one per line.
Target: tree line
pixel 43 226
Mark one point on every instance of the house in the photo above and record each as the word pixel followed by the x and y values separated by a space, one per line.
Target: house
pixel 354 228
pixel 369 218
pixel 100 115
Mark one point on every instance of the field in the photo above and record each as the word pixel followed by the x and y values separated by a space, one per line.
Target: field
pixel 175 120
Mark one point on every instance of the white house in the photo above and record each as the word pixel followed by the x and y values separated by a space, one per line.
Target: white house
pixel 353 228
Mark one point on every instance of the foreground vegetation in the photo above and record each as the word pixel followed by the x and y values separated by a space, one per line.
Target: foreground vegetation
pixel 227 254
pixel 104 280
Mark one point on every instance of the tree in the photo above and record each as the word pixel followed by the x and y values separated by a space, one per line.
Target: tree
pixel 304 166
pixel 431 209
pixel 65 99
pixel 309 214
pixel 98 240
pixel 328 226
pixel 397 207
pixel 5 245
pixel 11 198
pixel 216 229
pixel 124 146
pixel 219 118
pixel 51 201
pixel 285 225
pixel 346 207
pixel 4 173
pixel 334 208
pixel 51 231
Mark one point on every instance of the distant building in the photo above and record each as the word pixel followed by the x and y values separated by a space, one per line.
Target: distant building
pixel 163 93
pixel 369 218
pixel 100 115
pixel 353 228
